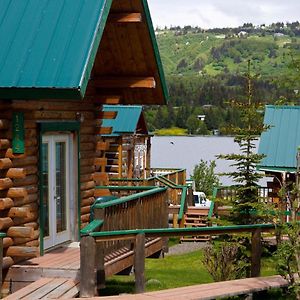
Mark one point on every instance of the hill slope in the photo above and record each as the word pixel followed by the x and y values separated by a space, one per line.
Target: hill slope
pixel 212 54
pixel 204 70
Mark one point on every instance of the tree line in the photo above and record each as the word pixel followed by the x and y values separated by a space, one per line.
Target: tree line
pixel 191 97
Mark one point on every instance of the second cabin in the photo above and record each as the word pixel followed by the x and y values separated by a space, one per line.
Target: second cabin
pixel 128 144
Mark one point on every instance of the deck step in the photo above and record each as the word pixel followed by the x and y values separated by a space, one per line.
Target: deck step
pixel 48 288
pixel 192 224
pixel 199 238
pixel 197 214
pixel 195 217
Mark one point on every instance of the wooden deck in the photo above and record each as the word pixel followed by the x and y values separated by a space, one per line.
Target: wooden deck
pixel 64 262
pixel 209 291
pixel 48 288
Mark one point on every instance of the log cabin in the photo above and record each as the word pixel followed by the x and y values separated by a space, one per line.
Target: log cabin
pixel 129 144
pixel 60 61
pixel 280 144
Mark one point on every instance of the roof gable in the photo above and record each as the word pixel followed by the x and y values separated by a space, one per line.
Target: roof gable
pixel 281 141
pixel 74 49
pixel 127 120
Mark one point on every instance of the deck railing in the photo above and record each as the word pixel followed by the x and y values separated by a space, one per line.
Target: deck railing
pixel 177 176
pixel 147 209
pixel 123 191
pixel 229 193
pixel 179 196
pixel 89 249
pixel 132 181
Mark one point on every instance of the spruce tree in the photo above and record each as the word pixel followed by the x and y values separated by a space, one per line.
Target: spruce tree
pixel 246 176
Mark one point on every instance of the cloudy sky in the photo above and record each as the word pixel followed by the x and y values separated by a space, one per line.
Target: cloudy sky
pixel 222 13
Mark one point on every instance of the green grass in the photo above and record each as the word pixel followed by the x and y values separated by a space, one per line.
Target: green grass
pixel 167 271
pixel 268 266
pixel 191 46
pixel 171 131
pixel 173 271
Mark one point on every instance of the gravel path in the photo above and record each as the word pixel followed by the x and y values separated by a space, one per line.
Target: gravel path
pixel 186 248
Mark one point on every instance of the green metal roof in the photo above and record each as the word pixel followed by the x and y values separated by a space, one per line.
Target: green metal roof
pixel 48 47
pixel 281 141
pixel 126 120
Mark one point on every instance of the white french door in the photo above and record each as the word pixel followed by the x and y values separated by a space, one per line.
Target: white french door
pixel 56 188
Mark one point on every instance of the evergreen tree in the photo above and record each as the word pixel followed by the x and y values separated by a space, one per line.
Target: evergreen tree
pixel 245 175
pixel 170 121
pixel 159 120
pixel 192 124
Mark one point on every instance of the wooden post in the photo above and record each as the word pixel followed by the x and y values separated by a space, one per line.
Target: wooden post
pixel 165 221
pixel 100 265
pixel 139 263
pixel 256 251
pixel 181 224
pixel 175 220
pixel 99 260
pixel 120 160
pixel 88 287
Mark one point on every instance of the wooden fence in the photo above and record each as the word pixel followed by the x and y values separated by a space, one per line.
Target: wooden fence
pixel 228 193
pixel 175 176
pixel 147 209
pixel 90 256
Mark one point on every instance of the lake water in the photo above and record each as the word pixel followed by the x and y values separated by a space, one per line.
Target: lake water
pixel 187 151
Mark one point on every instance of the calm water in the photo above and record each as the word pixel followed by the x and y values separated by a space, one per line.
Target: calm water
pixel 185 152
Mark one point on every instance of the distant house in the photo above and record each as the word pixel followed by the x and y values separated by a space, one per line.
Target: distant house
pixel 279 144
pixel 278 34
pixel 201 117
pixel 242 34
pixel 207 106
pixel 128 144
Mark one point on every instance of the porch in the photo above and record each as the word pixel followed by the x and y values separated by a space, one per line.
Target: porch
pixel 63 263
pixel 124 209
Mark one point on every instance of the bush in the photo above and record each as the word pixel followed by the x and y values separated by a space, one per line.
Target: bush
pixel 223 261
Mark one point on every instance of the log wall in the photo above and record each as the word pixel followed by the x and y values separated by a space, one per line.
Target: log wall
pixel 19 178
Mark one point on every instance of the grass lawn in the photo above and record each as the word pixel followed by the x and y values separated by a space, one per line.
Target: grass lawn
pixel 171 131
pixel 176 271
pixel 173 271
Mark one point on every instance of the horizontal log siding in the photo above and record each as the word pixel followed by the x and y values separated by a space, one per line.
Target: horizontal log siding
pixel 19 195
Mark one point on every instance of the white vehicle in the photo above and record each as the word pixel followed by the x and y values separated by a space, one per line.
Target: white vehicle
pixel 200 200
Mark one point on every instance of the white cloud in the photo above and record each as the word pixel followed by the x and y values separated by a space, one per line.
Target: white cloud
pixel 222 13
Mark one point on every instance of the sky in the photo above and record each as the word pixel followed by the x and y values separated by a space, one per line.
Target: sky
pixel 222 13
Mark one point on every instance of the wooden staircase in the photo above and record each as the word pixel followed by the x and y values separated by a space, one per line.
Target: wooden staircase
pixel 196 217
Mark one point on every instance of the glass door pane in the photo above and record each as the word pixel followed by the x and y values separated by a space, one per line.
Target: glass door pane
pixel 60 180
pixel 56 189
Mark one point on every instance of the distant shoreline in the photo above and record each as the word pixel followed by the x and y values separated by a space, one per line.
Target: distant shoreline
pixel 190 135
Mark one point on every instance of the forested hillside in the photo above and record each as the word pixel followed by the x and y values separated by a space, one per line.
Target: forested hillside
pixel 204 70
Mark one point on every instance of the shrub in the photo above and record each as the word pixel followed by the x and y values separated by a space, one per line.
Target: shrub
pixel 223 261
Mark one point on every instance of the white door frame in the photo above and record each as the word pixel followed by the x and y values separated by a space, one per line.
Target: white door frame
pixel 55 238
